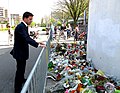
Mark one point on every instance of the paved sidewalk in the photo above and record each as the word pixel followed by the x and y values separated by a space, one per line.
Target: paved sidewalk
pixel 5 46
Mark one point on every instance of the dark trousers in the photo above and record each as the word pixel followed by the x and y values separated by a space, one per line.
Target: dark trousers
pixel 19 77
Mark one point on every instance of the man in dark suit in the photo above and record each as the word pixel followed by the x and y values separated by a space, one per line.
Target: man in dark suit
pixel 20 50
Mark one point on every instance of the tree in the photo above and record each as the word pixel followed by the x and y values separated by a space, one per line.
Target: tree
pixel 43 24
pixel 59 23
pixel 42 21
pixel 73 8
pixel 60 15
pixel 52 20
pixel 33 24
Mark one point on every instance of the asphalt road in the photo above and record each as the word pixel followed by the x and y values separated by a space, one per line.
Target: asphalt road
pixel 8 68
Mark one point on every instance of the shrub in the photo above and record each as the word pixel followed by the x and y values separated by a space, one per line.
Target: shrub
pixel 44 29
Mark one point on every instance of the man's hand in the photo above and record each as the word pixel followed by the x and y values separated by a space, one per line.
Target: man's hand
pixel 41 44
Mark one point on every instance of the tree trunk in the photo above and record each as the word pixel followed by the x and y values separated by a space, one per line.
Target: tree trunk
pixel 75 23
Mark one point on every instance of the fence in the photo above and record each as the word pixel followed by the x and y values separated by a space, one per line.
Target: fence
pixel 37 77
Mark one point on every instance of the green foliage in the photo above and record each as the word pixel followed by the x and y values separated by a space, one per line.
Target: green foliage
pixel 60 15
pixel 44 29
pixel 39 24
pixel 3 29
pixel 43 25
pixel 52 20
pixel 5 22
pixel 117 91
pixel 73 8
pixel 33 24
pixel 6 29
pixel 59 23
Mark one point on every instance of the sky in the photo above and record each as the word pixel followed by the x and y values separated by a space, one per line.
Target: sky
pixel 39 8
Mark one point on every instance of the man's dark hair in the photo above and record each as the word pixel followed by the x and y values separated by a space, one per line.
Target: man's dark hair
pixel 27 14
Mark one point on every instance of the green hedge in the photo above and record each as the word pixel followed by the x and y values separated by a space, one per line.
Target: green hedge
pixel 5 29
pixel 44 29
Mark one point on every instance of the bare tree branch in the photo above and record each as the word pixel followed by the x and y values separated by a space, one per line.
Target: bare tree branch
pixel 73 8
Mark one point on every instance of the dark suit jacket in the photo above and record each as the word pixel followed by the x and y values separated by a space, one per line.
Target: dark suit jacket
pixel 20 50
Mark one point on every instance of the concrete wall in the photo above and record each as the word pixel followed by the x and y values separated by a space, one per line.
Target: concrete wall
pixel 104 35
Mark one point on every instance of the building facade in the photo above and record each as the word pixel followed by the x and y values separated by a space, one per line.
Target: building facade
pixel 3 15
pixel 15 19
pixel 104 35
